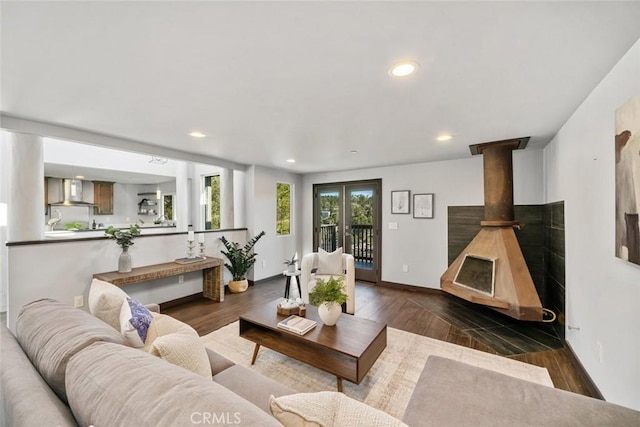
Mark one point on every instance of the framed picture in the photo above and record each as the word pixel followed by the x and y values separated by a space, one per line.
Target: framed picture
pixel 400 202
pixel 423 205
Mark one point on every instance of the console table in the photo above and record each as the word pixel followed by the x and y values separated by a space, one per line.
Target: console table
pixel 212 282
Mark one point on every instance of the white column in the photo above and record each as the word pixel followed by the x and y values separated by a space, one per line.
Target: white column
pixel 25 204
pixel 226 198
pixel 182 196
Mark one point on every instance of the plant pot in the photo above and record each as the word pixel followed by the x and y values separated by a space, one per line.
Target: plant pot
pixel 291 268
pixel 237 286
pixel 329 313
pixel 124 262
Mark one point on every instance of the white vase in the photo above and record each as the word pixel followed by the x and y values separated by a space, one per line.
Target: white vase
pixel 329 313
pixel 124 262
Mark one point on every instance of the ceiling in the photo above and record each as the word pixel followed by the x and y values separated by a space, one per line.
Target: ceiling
pixel 267 81
pixel 65 171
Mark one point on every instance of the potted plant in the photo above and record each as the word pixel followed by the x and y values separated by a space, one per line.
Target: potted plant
pixel 124 239
pixel 240 261
pixel 291 263
pixel 329 297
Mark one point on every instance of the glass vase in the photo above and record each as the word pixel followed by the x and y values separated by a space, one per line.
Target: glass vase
pixel 124 262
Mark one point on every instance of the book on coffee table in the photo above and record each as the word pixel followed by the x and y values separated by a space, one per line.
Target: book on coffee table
pixel 297 324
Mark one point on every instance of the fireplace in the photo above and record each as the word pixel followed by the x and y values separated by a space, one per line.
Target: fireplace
pixel 491 270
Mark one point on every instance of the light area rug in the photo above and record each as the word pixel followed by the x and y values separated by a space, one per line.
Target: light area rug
pixel 390 382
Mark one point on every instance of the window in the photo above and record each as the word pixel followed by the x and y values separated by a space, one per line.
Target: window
pixel 167 207
pixel 283 209
pixel 212 202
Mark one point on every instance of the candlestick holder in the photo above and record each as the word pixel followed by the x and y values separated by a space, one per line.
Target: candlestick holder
pixel 190 246
pixel 201 254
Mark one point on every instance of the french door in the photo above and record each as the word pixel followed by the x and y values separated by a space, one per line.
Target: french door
pixel 347 215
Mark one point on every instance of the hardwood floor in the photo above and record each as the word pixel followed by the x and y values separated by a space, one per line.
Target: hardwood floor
pixel 434 315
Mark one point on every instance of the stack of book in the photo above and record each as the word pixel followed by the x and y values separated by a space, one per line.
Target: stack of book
pixel 297 324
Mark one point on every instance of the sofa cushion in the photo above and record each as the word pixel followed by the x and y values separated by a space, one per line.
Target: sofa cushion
pixel 26 398
pixel 135 319
pixel 454 393
pixel 183 350
pixel 327 409
pixel 165 325
pixel 50 333
pixel 251 385
pixel 105 301
pixel 218 362
pixel 111 385
pixel 330 263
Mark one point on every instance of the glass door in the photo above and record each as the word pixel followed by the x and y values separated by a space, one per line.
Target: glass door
pixel 347 215
pixel 329 218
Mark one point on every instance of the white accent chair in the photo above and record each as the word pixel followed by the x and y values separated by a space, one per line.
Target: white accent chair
pixel 309 275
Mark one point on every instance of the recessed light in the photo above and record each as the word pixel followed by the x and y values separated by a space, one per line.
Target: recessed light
pixel 444 137
pixel 79 176
pixel 354 151
pixel 403 69
pixel 197 134
pixel 291 160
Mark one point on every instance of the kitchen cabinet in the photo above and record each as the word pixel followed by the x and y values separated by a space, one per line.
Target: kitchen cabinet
pixel 103 198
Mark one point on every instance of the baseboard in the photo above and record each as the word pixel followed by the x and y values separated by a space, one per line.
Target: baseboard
pixel 181 300
pixel 266 279
pixel 582 372
pixel 411 288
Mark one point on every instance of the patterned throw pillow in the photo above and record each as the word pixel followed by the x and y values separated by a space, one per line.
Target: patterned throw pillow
pixel 135 319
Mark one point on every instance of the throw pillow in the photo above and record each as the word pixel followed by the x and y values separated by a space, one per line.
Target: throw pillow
pixel 105 301
pixel 330 263
pixel 328 408
pixel 183 350
pixel 164 325
pixel 135 319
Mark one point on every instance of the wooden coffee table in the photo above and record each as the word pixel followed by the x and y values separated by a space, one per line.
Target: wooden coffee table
pixel 346 350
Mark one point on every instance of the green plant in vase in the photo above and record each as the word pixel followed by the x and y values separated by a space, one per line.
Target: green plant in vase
pixel 124 239
pixel 328 297
pixel 241 259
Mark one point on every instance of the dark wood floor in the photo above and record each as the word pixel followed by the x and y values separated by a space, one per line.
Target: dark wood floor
pixel 434 315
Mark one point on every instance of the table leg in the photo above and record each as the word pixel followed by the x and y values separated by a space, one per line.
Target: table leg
pixel 339 384
pixel 287 286
pixel 255 354
pixel 299 290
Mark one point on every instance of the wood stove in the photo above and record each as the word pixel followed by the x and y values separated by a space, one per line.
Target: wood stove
pixel 491 270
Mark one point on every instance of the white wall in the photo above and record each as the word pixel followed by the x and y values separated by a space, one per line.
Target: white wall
pixel 261 207
pixel 422 243
pixel 64 269
pixel 603 292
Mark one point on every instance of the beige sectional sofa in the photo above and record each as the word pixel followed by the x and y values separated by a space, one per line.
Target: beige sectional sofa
pixel 65 367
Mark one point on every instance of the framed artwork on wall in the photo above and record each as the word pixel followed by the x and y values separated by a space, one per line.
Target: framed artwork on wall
pixel 400 202
pixel 423 205
pixel 627 167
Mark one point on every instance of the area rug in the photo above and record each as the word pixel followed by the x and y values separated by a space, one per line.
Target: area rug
pixel 390 382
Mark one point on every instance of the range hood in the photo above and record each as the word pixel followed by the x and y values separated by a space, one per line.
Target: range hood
pixel 491 270
pixel 72 194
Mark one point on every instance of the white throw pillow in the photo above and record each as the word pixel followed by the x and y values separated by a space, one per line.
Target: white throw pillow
pixel 105 301
pixel 328 408
pixel 164 325
pixel 330 263
pixel 135 320
pixel 183 350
